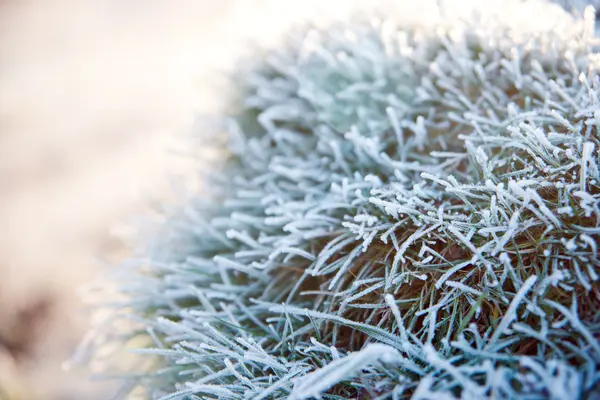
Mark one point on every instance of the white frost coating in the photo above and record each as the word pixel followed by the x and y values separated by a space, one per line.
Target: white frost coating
pixel 409 208
pixel 511 313
pixel 315 383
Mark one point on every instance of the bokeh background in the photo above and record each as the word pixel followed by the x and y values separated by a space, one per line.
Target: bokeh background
pixel 97 99
pixel 94 95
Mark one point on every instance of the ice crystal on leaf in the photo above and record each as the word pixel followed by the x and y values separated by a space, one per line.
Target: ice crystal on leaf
pixel 406 210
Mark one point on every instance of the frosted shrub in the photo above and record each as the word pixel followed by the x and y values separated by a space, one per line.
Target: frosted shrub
pixel 406 210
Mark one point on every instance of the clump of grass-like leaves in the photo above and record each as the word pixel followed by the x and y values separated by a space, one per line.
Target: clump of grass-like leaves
pixel 407 210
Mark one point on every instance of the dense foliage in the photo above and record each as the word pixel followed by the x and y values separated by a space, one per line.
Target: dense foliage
pixel 409 208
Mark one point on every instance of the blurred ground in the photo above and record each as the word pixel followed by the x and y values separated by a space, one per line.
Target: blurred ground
pixel 92 94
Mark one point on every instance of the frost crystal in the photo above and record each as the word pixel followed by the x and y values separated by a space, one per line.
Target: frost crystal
pixel 409 209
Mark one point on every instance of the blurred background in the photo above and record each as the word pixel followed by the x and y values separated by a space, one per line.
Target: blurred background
pixel 93 96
